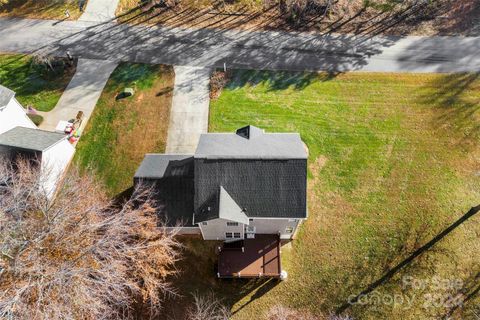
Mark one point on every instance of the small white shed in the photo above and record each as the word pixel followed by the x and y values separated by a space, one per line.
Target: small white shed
pixel 12 114
pixel 52 150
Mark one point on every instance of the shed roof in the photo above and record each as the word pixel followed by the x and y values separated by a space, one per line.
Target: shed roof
pixel 30 139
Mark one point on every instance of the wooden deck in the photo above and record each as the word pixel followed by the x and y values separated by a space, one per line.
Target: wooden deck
pixel 260 257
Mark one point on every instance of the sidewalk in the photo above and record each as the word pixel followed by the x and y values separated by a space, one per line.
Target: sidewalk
pixel 189 113
pixel 99 10
pixel 82 92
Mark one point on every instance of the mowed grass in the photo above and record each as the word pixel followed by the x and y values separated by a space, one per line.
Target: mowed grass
pixel 121 131
pixel 35 85
pixel 41 9
pixel 393 160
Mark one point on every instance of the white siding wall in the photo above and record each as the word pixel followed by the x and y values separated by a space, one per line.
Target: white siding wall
pixel 216 229
pixel 13 115
pixel 275 226
pixel 55 161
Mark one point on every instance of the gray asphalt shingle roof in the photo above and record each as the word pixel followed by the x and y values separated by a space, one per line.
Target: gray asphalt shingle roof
pixel 258 145
pixel 5 96
pixel 245 174
pixel 160 165
pixel 262 188
pixel 265 173
pixel 30 139
pixel 171 177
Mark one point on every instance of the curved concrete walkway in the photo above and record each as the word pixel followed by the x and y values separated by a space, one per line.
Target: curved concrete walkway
pixel 189 112
pixel 82 92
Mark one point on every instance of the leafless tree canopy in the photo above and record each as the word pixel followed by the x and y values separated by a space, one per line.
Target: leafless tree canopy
pixel 77 257
pixel 279 312
pixel 208 307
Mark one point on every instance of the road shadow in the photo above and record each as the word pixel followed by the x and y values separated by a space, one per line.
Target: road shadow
pixel 464 54
pixel 393 271
pixel 139 42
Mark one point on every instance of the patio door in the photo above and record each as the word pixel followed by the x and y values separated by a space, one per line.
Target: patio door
pixel 250 232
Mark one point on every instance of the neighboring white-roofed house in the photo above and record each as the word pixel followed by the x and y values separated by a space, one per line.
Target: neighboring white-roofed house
pixel 51 150
pixel 12 114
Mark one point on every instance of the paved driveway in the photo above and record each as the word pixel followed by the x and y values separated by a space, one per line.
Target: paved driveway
pixel 82 92
pixel 189 112
pixel 100 10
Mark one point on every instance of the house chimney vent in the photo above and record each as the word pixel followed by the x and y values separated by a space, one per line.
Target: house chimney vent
pixel 249 132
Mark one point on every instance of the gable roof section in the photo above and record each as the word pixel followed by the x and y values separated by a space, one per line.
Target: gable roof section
pixel 156 166
pixel 30 139
pixel 229 209
pixel 250 143
pixel 5 96
pixel 261 188
pixel 208 210
pixel 221 206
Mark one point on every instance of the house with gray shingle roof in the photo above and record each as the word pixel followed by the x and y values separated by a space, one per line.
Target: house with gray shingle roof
pixel 248 189
pixel 51 151
pixel 235 185
pixel 20 138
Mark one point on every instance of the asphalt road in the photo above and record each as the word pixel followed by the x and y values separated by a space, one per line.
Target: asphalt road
pixel 240 49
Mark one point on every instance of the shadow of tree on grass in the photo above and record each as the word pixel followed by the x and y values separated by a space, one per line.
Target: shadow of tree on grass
pixel 423 249
pixel 457 104
pixel 275 80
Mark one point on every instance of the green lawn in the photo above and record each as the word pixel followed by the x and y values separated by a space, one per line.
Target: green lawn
pixel 41 9
pixel 394 159
pixel 35 85
pixel 121 131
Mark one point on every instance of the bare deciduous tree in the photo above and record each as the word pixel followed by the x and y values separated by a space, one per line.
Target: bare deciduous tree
pixel 208 307
pixel 77 256
pixel 279 312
